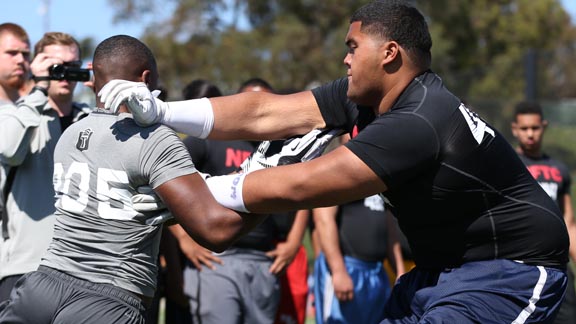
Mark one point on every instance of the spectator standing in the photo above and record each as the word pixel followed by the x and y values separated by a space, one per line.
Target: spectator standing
pixel 14 67
pixel 30 129
pixel 528 128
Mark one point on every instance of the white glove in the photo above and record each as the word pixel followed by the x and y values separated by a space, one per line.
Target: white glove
pixel 145 107
pixel 146 200
pixel 293 150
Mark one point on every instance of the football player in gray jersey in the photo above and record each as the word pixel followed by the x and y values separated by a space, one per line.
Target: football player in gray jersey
pixel 101 264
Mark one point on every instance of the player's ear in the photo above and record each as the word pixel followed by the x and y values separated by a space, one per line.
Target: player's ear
pixel 150 79
pixel 145 77
pixel 390 49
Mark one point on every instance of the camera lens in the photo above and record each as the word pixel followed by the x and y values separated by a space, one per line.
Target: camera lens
pixel 57 72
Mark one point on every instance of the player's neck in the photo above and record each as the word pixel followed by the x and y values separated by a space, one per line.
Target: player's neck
pixel 393 88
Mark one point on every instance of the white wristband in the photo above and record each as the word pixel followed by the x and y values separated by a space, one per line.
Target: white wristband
pixel 227 190
pixel 192 117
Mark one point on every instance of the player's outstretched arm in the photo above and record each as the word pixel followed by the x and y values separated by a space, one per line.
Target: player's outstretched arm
pixel 207 222
pixel 252 115
pixel 265 116
pixel 332 179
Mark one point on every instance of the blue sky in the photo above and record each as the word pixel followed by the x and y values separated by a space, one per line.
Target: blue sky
pixel 91 18
pixel 79 18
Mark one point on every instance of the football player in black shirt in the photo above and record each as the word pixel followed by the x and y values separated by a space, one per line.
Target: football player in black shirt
pixel 528 128
pixel 477 222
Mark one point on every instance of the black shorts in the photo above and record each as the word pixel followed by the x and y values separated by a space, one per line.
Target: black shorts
pixel 50 296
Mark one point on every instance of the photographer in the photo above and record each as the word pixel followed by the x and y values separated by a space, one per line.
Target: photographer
pixel 30 129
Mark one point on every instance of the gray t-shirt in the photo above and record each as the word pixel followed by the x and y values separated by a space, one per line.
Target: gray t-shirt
pixel 98 164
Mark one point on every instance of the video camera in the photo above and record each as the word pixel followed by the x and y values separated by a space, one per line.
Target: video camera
pixel 69 71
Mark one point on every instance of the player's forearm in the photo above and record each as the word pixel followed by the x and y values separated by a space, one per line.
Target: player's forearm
pixel 207 222
pixel 218 232
pixel 324 219
pixel 263 116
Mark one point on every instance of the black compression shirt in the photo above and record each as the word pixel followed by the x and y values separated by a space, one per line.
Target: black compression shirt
pixel 458 189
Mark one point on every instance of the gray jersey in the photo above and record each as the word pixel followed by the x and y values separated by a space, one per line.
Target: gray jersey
pixel 98 164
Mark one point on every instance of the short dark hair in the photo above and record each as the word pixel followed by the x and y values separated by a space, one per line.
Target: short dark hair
pixel 528 107
pixel 200 88
pixel 255 82
pixel 16 30
pixel 397 20
pixel 123 57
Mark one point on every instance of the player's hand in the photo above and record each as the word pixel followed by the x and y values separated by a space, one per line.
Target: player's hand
pixel 198 254
pixel 283 255
pixel 293 150
pixel 343 286
pixel 145 107
pixel 147 201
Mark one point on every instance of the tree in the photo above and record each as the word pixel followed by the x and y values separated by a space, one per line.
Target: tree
pixel 479 45
pixel 484 43
pixel 290 43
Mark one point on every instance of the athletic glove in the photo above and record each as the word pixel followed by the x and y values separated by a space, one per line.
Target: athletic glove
pixel 193 117
pixel 293 150
pixel 146 200
pixel 145 107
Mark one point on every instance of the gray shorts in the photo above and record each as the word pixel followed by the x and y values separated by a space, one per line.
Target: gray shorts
pixel 242 290
pixel 50 296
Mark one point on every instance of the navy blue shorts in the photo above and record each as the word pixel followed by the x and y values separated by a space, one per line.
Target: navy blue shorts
pixel 495 291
